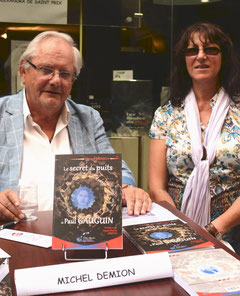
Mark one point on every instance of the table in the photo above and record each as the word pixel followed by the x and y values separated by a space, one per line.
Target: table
pixel 25 256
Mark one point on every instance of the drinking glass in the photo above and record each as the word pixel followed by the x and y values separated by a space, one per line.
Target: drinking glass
pixel 28 200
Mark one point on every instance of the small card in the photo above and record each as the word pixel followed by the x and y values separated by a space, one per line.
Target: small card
pixel 39 240
pixel 5 280
pixel 119 75
pixel 3 254
pixel 4 271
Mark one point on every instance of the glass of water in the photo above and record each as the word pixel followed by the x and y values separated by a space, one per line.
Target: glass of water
pixel 28 200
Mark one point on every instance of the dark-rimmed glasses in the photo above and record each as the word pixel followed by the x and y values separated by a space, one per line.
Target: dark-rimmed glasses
pixel 49 73
pixel 210 50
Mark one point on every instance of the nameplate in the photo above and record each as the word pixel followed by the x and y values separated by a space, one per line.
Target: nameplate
pixel 92 274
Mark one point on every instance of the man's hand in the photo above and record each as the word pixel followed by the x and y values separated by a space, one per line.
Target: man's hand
pixel 9 203
pixel 137 200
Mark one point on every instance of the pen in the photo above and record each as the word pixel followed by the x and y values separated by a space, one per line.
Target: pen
pixel 9 224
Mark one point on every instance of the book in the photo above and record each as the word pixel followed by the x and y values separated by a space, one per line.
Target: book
pixel 87 211
pixel 160 236
pixel 5 280
pixel 211 272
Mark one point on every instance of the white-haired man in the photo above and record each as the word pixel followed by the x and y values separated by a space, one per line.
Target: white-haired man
pixel 41 121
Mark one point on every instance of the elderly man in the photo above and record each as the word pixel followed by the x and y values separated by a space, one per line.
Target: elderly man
pixel 40 121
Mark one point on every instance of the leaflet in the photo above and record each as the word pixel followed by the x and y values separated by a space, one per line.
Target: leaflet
pixel 34 239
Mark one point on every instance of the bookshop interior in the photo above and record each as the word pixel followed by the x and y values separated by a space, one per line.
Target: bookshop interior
pixel 98 249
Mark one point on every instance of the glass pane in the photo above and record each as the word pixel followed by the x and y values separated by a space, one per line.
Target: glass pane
pixel 136 35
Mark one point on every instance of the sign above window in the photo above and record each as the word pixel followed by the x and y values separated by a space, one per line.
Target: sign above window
pixel 34 11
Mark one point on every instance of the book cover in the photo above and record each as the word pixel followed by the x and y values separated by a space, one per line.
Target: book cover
pixel 5 280
pixel 173 235
pixel 210 272
pixel 87 211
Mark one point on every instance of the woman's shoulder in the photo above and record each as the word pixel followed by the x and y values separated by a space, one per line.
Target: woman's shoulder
pixel 165 109
pixel 235 103
pixel 168 111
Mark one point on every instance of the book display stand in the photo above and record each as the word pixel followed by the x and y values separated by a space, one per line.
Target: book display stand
pixel 83 259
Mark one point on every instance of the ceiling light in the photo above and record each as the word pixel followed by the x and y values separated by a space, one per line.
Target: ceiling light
pixel 183 2
pixel 4 35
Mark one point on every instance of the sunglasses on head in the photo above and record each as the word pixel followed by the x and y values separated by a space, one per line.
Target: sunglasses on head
pixel 210 50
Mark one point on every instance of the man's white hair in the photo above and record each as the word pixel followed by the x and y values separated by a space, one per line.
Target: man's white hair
pixel 31 49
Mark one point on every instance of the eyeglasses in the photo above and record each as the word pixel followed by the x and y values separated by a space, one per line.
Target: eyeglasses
pixel 49 73
pixel 193 51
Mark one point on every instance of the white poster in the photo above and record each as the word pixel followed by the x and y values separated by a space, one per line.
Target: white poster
pixel 12 63
pixel 34 11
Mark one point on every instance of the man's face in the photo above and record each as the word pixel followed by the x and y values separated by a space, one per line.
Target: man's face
pixel 43 93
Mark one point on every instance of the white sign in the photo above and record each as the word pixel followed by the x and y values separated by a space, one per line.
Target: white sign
pixel 12 63
pixel 34 11
pixel 122 75
pixel 58 278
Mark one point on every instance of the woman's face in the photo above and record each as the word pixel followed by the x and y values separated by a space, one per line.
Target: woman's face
pixel 203 66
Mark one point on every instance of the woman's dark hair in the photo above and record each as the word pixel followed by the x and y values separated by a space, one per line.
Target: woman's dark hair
pixel 181 82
